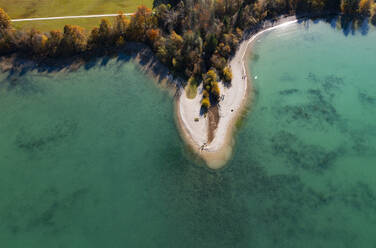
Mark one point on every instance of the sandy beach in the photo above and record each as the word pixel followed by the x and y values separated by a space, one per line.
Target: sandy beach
pixel 194 128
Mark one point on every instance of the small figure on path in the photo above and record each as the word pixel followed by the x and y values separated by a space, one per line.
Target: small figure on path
pixel 202 148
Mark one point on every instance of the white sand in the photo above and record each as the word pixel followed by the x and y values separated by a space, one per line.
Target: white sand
pixel 218 151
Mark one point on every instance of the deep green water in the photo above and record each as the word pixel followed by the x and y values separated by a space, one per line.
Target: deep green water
pixel 93 159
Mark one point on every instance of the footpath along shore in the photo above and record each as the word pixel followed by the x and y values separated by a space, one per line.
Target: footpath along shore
pixel 194 127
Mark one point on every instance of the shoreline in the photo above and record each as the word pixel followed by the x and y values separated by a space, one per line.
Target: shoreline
pixel 236 98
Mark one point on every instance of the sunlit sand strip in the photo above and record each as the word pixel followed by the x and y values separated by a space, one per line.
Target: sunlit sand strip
pixel 218 152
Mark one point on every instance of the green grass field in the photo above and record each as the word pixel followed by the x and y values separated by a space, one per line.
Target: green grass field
pixel 48 8
pixel 87 23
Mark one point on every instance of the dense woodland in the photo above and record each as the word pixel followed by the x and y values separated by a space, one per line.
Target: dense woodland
pixel 193 38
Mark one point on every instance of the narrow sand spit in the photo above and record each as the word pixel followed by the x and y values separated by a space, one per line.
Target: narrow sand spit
pixel 194 127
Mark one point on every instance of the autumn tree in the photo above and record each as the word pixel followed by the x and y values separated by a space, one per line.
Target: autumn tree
pixel 218 61
pixel 211 86
pixel 364 8
pixel 349 7
pixel 227 74
pixel 209 78
pixel 192 51
pixel 74 39
pixel 25 40
pixel 153 35
pixel 220 8
pixel 54 43
pixel 176 41
pixel 215 91
pixel 162 52
pixel 247 17
pixel 101 37
pixel 205 17
pixel 141 22
pixel 121 24
pixel 224 50
pixel 192 41
pixel 373 18
pixel 5 23
pixel 94 39
pixel 39 43
pixel 105 33
pixel 174 44
pixel 205 103
pixel 165 17
pixel 119 29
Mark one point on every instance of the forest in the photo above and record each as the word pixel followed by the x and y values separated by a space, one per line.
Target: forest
pixel 194 38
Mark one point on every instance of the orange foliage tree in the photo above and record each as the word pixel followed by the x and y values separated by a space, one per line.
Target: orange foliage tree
pixel 4 20
pixel 153 35
pixel 141 22
pixel 121 24
pixel 365 7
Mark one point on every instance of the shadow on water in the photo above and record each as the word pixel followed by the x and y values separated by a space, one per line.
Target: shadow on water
pixel 137 52
pixel 349 26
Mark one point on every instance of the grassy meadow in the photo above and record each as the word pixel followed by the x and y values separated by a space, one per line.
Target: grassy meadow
pixel 48 8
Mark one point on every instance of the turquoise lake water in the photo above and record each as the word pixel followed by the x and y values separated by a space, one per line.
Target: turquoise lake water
pixel 93 158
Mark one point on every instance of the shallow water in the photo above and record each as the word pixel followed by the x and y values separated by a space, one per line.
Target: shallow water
pixel 93 158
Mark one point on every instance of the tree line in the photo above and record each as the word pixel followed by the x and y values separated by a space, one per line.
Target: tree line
pixel 194 38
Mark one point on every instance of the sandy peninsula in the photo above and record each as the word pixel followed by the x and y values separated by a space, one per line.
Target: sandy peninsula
pixel 195 127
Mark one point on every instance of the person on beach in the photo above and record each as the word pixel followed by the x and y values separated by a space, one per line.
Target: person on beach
pixel 202 148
